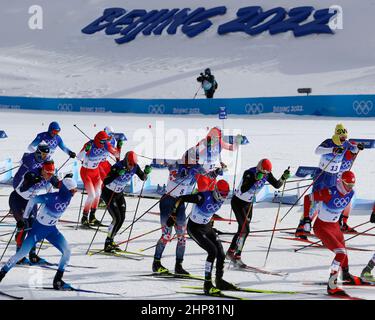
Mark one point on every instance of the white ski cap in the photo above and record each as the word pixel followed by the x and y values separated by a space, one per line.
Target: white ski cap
pixel 70 183
pixel 109 130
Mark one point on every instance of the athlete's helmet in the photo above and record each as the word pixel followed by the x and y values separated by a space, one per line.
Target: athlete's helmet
pixel 341 134
pixel 347 181
pixel 54 128
pixel 42 151
pixel 207 71
pixel 100 139
pixel 131 159
pixel 221 190
pixel 48 169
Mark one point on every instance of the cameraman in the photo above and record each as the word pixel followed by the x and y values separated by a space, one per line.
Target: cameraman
pixel 209 83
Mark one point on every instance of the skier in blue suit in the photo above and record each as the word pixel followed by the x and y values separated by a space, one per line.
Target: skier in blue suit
pixel 44 227
pixel 52 139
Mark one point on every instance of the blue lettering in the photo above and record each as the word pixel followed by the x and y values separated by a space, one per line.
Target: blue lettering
pixel 297 15
pixel 244 15
pixel 319 25
pixel 200 22
pixel 108 16
pixel 166 16
pixel 251 20
pixel 253 28
pixel 128 20
pixel 181 18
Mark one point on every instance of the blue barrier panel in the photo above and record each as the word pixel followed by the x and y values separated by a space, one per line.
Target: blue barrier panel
pixel 335 105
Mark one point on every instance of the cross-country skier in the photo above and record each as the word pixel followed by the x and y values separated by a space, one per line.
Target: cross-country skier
pixel 209 84
pixel 332 153
pixel 32 162
pixel 252 182
pixel 366 272
pixel 44 227
pixel 182 180
pixel 52 139
pixel 199 228
pixel 331 202
pixel 207 152
pixel 114 184
pixel 105 165
pixel 32 183
pixel 92 153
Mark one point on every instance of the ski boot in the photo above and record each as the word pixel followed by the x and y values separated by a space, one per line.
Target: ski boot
pixel 346 229
pixel 23 261
pixel 59 284
pixel 235 258
pixel 332 288
pixel 366 272
pixel 111 246
pixel 157 267
pixel 178 269
pixel 349 279
pixel 93 222
pixel 85 221
pixel 224 285
pixel 35 259
pixel 209 288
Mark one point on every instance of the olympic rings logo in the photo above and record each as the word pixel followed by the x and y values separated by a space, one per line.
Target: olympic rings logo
pixel 98 151
pixel 52 143
pixel 65 107
pixel 363 107
pixel 254 108
pixel 213 207
pixel 60 207
pixel 156 109
pixel 341 202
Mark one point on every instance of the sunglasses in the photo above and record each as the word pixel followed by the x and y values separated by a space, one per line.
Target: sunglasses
pixel 55 131
pixel 103 141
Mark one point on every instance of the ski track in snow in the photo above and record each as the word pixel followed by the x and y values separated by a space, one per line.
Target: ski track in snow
pixel 286 141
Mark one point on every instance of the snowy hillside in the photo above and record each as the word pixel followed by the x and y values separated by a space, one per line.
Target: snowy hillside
pixel 60 61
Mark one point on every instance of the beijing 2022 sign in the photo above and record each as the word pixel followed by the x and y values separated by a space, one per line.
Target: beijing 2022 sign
pixel 252 20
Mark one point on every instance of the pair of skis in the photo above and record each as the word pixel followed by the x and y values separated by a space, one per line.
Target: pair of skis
pixel 120 254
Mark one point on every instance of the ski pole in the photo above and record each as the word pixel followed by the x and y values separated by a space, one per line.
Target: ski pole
pixel 275 223
pixel 199 88
pixel 139 236
pixel 317 242
pixel 80 208
pixel 256 231
pixel 166 194
pixel 8 243
pixel 315 179
pixel 136 210
pixel 296 188
pixel 9 170
pixel 234 183
pixel 101 220
pixel 3 218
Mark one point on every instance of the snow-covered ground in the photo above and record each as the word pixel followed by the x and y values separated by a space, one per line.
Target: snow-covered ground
pixel 60 61
pixel 286 141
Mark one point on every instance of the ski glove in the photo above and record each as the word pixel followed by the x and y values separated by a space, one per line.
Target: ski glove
pixel 338 150
pixel 22 224
pixel 360 146
pixel 88 147
pixel 147 169
pixel 120 143
pixel 286 175
pixel 372 218
pixel 72 154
